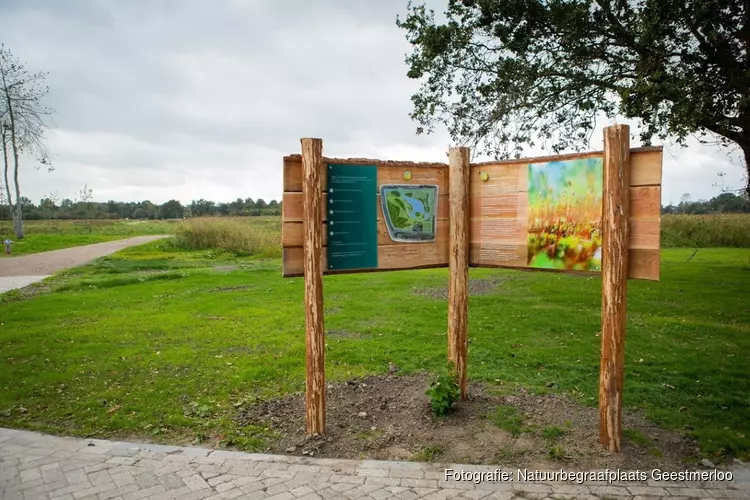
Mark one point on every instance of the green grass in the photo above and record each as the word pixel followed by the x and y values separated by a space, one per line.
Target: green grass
pixel 43 236
pixel 241 235
pixel 552 433
pixel 167 344
pixel 428 454
pixel 509 419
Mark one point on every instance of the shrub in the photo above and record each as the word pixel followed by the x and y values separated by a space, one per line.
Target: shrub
pixel 718 230
pixel 242 237
pixel 443 394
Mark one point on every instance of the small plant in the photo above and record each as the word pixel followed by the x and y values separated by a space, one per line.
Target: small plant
pixel 553 432
pixel 443 394
pixel 428 453
pixel 510 419
pixel 556 453
pixel 637 437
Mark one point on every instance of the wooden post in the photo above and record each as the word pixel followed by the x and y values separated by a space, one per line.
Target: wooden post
pixel 616 211
pixel 458 290
pixel 312 194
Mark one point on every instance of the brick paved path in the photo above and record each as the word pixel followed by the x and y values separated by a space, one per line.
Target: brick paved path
pixel 37 466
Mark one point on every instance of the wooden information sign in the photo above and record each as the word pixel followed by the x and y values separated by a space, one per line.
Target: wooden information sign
pixel 597 212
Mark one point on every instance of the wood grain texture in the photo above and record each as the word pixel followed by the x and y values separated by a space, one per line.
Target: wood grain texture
pixel 615 234
pixel 389 172
pixel 458 291
pixel 315 390
pixel 399 256
pixel 491 205
pixel 645 166
pixel 292 207
pixel 291 234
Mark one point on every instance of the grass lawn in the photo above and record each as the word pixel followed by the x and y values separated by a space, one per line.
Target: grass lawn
pixel 45 235
pixel 167 344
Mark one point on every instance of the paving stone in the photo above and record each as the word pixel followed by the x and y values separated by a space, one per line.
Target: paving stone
pixel 38 467
pixel 651 491
pixel 195 482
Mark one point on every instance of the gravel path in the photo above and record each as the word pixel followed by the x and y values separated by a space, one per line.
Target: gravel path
pixel 46 263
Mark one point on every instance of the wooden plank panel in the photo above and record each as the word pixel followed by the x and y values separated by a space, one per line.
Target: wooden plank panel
pixel 292 207
pixel 292 234
pixel 389 172
pixel 498 254
pixel 645 167
pixel 503 178
pixel 390 258
pixel 498 229
pixel 644 263
pixel 645 233
pixel 645 201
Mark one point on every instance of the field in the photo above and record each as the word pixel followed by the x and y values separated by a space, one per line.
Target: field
pixel 45 235
pixel 169 343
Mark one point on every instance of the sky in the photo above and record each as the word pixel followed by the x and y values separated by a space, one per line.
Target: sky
pixel 188 99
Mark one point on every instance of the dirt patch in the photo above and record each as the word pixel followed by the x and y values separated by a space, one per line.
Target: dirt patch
pixel 388 418
pixel 231 288
pixel 225 268
pixel 344 334
pixel 476 287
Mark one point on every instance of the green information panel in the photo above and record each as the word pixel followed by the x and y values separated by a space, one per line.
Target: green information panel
pixel 352 217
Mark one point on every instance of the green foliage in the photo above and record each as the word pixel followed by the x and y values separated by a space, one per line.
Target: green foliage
pixel 637 437
pixel 552 433
pixel 704 231
pixel 443 393
pixel 240 236
pixel 556 453
pixel 428 453
pixel 83 207
pixel 725 203
pixel 510 419
pixel 505 75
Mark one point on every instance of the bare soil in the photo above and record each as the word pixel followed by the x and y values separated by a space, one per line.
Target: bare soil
pixel 482 286
pixel 389 418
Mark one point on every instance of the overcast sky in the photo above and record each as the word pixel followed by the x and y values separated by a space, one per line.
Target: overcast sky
pixel 188 99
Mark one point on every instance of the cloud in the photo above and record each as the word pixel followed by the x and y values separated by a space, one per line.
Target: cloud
pixel 190 99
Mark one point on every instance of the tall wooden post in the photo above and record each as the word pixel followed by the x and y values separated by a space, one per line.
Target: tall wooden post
pixel 615 215
pixel 312 194
pixel 458 290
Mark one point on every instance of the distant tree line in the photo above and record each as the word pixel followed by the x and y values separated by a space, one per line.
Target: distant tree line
pixel 724 203
pixel 50 208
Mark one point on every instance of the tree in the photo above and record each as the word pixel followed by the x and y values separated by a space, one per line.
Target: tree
pixel 506 74
pixel 49 206
pixel 85 196
pixel 21 124
pixel 172 209
pixel 202 208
